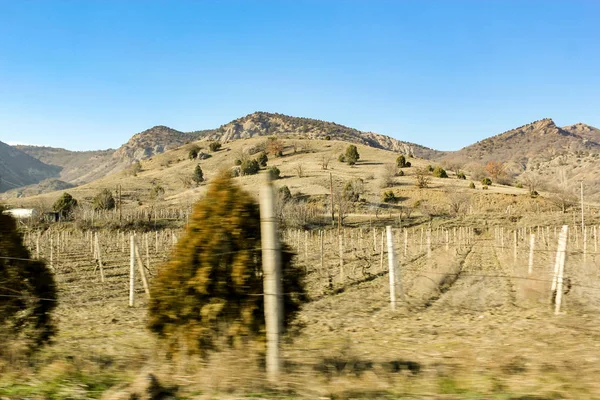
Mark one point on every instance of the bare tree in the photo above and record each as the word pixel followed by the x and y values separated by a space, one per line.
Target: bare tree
pixel 532 180
pixel 422 178
pixel 324 163
pixel 457 201
pixel 386 175
pixel 299 170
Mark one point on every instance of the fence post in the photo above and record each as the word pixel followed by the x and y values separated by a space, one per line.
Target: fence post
pixel 131 270
pixel 428 243
pixel 562 247
pixel 381 253
pixel 273 299
pixel 391 266
pixel 531 248
pixel 141 269
pixel 99 255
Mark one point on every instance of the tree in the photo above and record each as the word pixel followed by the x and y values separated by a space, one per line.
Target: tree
pixel 495 169
pixel 401 161
pixel 532 180
pixel 198 175
pixel 439 172
pixel 157 193
pixel 262 159
pixel 65 204
pixel 352 155
pixel 389 197
pixel 214 146
pixel 135 168
pixel 299 168
pixel 208 296
pixel 275 147
pixel 27 293
pixel 422 178
pixel 249 167
pixel 193 153
pixel 275 172
pixel 104 201
pixel 486 182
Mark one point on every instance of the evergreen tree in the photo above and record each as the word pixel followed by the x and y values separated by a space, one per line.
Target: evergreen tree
pixel 104 201
pixel 352 155
pixel 211 288
pixel 198 176
pixel 65 204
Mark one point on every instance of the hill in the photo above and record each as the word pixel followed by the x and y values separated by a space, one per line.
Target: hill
pixel 268 124
pixel 45 186
pixel 76 166
pixel 19 169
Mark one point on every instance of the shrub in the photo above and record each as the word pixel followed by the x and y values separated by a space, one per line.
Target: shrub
pixel 389 197
pixel 461 175
pixel 65 204
pixel 208 296
pixel 472 185
pixel 421 178
pixel 27 294
pixel 341 158
pixel 193 153
pixel 486 181
pixel 401 161
pixel 519 185
pixel 262 159
pixel 353 190
pixel 275 147
pixel 284 193
pixel 214 146
pixel 249 167
pixel 275 172
pixel 440 172
pixel 430 168
pixel 485 187
pixel 408 164
pixel 327 137
pixel 237 162
pixel 103 201
pixel 400 173
pixel 352 155
pixel 157 192
pixel 135 168
pixel 198 175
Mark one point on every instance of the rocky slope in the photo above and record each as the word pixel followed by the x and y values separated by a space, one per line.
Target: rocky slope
pixel 150 142
pixel 268 124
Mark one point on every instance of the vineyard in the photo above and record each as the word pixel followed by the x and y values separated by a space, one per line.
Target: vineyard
pixel 474 315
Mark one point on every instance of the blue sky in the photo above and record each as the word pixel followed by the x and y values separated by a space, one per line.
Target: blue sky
pixel 89 74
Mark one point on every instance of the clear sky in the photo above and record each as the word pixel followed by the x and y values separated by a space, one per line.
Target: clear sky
pixel 90 74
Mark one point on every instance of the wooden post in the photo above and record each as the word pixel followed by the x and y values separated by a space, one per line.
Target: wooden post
pixel 428 243
pixel 405 242
pixel 99 255
pixel 147 251
pixel 562 247
pixel 341 250
pixel 37 246
pixel 395 282
pixel 381 252
pixel 51 252
pixel 515 246
pixel 141 269
pixel 332 201
pixel 131 270
pixel 322 251
pixel 584 229
pixel 531 248
pixel 271 257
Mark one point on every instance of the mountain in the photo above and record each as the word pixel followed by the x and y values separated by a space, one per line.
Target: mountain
pixel 538 141
pixel 76 166
pixel 19 169
pixel 153 141
pixel 45 186
pixel 268 124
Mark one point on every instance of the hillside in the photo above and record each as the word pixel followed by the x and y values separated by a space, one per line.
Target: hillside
pixel 150 142
pixel 45 186
pixel 77 166
pixel 267 124
pixel 19 169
